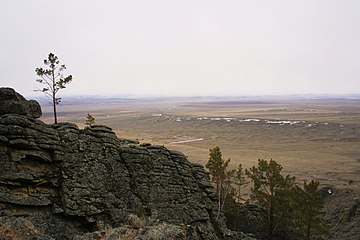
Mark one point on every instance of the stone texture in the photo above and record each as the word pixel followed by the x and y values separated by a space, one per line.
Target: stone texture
pixel 251 216
pixel 87 180
pixel 342 206
pixel 13 102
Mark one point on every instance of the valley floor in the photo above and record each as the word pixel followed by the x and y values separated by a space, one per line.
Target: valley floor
pixel 311 138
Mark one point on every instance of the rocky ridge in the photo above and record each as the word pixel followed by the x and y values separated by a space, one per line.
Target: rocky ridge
pixel 61 182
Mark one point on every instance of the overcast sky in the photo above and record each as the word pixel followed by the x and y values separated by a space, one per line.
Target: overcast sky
pixel 184 47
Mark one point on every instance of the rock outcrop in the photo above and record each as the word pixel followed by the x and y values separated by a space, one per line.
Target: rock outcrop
pixel 342 206
pixel 13 102
pixel 61 182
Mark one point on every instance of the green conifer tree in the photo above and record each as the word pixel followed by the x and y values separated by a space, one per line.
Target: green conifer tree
pixel 90 120
pixel 240 181
pixel 310 215
pixel 53 79
pixel 269 189
pixel 219 175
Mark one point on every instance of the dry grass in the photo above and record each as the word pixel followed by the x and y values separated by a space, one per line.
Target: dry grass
pixel 7 233
pixel 328 151
pixel 17 230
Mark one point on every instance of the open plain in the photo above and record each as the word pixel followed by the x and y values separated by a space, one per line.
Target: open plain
pixel 312 138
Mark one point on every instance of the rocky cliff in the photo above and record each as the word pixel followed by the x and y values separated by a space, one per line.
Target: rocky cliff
pixel 62 182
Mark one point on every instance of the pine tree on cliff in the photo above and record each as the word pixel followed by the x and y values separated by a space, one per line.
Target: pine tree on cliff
pixel 240 181
pixel 310 216
pixel 53 79
pixel 272 191
pixel 90 120
pixel 292 212
pixel 219 175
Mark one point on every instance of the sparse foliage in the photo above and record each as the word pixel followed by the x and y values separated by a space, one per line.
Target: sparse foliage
pixel 53 79
pixel 217 167
pixel 90 120
pixel 227 186
pixel 240 181
pixel 219 175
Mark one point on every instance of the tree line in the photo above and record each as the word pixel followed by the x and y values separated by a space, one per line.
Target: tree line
pixel 290 211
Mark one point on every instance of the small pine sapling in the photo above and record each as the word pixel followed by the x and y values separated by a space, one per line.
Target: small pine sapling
pixel 90 120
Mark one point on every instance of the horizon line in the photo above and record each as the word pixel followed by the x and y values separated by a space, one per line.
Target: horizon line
pixel 129 96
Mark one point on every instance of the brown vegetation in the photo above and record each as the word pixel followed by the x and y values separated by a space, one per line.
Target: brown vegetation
pixel 323 147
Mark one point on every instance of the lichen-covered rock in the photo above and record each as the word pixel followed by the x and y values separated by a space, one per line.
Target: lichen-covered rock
pixel 86 180
pixel 342 207
pixel 252 220
pixel 13 102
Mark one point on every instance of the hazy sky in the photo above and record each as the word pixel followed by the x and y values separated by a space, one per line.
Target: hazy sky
pixel 195 47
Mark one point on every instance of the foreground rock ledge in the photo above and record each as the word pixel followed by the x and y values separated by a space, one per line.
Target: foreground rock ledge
pixel 62 182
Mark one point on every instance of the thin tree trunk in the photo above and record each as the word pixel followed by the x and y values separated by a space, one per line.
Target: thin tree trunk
pixel 225 195
pixel 271 222
pixel 309 226
pixel 219 201
pixel 54 106
pixel 54 96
